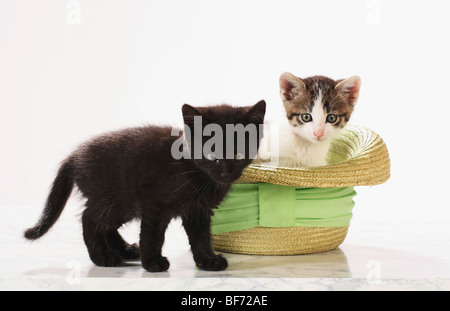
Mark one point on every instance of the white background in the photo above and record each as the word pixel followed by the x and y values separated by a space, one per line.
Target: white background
pixel 73 69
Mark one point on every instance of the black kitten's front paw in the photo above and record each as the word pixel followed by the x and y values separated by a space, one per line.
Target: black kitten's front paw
pixel 216 263
pixel 159 264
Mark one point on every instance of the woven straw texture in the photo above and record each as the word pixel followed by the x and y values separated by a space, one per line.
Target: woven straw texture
pixel 358 157
pixel 280 241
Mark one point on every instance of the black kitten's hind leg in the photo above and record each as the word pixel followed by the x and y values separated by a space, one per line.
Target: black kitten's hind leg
pixel 95 239
pixel 198 228
pixel 125 250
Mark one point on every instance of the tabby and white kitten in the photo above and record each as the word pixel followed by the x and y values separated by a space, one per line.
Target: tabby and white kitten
pixel 317 108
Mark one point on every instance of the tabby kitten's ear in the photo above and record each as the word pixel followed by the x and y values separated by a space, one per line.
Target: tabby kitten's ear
pixel 349 88
pixel 291 86
pixel 256 113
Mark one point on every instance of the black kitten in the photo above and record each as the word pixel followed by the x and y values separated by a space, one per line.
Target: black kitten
pixel 133 174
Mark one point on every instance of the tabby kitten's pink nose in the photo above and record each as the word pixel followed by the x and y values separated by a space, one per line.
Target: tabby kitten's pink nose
pixel 318 134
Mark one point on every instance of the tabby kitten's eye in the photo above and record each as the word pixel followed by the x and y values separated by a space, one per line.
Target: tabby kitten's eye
pixel 306 117
pixel 211 157
pixel 239 156
pixel 332 118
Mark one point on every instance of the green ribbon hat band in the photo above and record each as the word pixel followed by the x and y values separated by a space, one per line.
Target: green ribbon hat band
pixel 269 205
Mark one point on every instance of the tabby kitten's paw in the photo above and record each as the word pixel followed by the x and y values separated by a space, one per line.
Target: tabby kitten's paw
pixel 159 264
pixel 216 263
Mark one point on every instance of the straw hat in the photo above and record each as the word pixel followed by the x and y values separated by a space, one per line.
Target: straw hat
pixel 358 157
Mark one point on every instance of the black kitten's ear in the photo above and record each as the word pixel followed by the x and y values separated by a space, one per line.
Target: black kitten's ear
pixel 257 112
pixel 189 113
pixel 291 86
pixel 349 88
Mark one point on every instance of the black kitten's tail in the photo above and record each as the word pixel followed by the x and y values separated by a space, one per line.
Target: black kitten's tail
pixel 57 199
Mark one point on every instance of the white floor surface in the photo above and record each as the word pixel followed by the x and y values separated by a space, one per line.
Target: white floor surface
pixel 378 254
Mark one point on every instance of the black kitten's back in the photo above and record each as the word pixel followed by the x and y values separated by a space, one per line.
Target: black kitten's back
pixel 128 154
